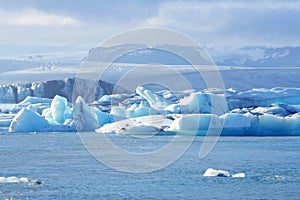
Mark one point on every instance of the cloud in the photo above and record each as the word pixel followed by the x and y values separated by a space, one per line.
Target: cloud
pixel 33 17
pixel 217 23
pixel 268 23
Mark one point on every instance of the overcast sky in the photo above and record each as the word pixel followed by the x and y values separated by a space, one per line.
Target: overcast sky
pixel 37 25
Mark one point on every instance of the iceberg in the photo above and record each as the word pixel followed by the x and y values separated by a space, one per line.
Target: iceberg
pixel 28 120
pixel 239 175
pixel 13 179
pixel 193 122
pixel 154 100
pixel 202 103
pixel 103 117
pixel 85 117
pixel 56 114
pixel 235 124
pixel 140 125
pixel 216 172
pixel 210 172
pixel 178 111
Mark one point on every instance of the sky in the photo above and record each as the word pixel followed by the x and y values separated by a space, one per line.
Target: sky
pixel 32 26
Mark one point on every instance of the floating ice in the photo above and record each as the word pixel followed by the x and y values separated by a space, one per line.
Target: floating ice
pixel 103 117
pixel 216 172
pixel 85 117
pixel 13 179
pixel 253 113
pixel 58 107
pixel 202 103
pixel 57 113
pixel 155 101
pixel 113 99
pixel 119 113
pixel 239 175
pixel 139 125
pixel 239 124
pixel 210 172
pixel 35 100
pixel 196 122
pixel 263 97
pixel 28 121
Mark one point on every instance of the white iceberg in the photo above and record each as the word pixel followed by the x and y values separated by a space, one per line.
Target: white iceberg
pixel 58 113
pixel 239 175
pixel 14 179
pixel 203 103
pixel 216 172
pixel 192 122
pixel 139 125
pixel 28 121
pixel 60 117
pixel 85 117
pixel 197 112
pixel 155 101
pixel 210 172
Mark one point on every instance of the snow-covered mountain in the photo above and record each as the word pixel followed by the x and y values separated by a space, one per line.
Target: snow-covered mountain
pixel 258 57
pixel 242 57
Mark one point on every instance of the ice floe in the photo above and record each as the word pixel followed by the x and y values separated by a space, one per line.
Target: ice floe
pixel 210 172
pixel 14 179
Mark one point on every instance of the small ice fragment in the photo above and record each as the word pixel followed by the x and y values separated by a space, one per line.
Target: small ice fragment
pixel 13 179
pixel 215 172
pixel 239 175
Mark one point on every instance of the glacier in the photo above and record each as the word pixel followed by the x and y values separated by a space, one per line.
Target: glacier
pixel 255 112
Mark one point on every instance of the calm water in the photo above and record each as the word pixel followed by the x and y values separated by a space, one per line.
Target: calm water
pixel 271 165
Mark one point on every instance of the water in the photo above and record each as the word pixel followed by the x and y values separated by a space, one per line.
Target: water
pixel 271 165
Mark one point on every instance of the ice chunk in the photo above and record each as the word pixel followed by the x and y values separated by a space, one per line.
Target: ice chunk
pixel 203 103
pixel 235 120
pixel 28 121
pixel 119 113
pixel 239 175
pixel 216 172
pixel 103 118
pixel 13 179
pixel 210 172
pixel 142 110
pixel 141 125
pixel 58 113
pixel 155 101
pixel 262 97
pixel 35 100
pixel 269 124
pixel 113 99
pixel 274 110
pixel 58 107
pixel 85 117
pixel 196 122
